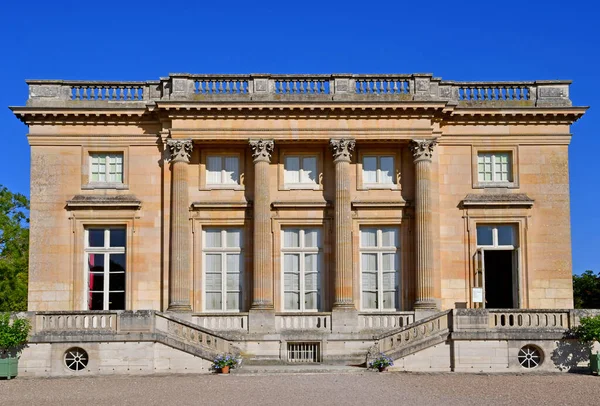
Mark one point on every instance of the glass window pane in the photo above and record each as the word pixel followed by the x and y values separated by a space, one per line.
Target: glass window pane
pixel 96 262
pixel 233 301
pixel 234 238
pixel 387 169
pixel 234 263
pixel 116 301
pixel 213 262
pixel 213 169
pixel 96 301
pixel 311 301
pixel 96 282
pixel 389 300
pixel 116 281
pixel 233 282
pixel 291 168
pixel 232 174
pixel 291 238
pixel 311 281
pixel 369 300
pixel 485 235
pixel 291 282
pixel 389 262
pixel 117 237
pixel 506 235
pixel 213 282
pixel 311 262
pixel 292 301
pixel 309 170
pixel 291 263
pixel 212 238
pixel 117 263
pixel 311 238
pixel 369 281
pixel 389 281
pixel 389 237
pixel 368 237
pixel 95 237
pixel 369 262
pixel 369 169
pixel 214 301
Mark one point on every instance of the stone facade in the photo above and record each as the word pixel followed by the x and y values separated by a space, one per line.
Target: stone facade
pixel 166 131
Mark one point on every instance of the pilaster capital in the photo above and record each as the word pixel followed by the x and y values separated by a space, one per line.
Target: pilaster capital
pixel 262 149
pixel 342 148
pixel 180 150
pixel 422 149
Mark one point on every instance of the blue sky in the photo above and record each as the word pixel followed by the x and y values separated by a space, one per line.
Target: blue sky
pixel 458 40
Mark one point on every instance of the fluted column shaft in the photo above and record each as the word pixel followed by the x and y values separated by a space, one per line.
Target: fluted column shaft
pixel 343 224
pixel 422 152
pixel 179 260
pixel 262 249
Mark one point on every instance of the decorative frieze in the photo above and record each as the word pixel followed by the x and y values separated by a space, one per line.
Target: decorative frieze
pixel 342 149
pixel 180 150
pixel 262 149
pixel 422 149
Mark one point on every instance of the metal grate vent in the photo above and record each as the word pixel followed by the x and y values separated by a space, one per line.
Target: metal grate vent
pixel 304 352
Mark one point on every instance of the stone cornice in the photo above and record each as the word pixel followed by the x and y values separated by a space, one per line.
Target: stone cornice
pixel 104 202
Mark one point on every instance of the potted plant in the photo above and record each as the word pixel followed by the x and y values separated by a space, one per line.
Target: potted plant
pixel 13 337
pixel 588 331
pixel 223 363
pixel 381 363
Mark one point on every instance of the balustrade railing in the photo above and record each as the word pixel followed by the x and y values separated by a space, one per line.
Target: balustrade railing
pixel 208 87
pixel 74 321
pixel 318 321
pixel 375 321
pixel 528 319
pixel 218 322
pixel 417 332
pixel 191 334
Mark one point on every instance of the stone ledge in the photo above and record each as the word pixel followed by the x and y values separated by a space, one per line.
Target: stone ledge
pixel 497 199
pixel 104 202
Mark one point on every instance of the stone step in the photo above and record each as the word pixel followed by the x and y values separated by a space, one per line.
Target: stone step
pixel 298 369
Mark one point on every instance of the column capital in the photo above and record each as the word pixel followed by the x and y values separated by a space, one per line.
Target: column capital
pixel 422 149
pixel 262 149
pixel 180 150
pixel 342 148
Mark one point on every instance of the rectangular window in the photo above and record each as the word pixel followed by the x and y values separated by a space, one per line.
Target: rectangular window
pixel 496 236
pixel 494 167
pixel 106 266
pixel 106 167
pixel 223 269
pixel 378 170
pixel 301 253
pixel 379 264
pixel 300 170
pixel 222 170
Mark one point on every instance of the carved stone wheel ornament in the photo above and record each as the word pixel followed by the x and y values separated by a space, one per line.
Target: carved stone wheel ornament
pixel 530 356
pixel 76 359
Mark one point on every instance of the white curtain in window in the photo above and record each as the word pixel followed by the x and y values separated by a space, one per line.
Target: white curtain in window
pixel 291 169
pixel 389 237
pixel 213 238
pixel 370 169
pixel 368 237
pixel 291 238
pixel 311 238
pixel 234 238
pixel 213 169
pixel 387 169
pixel 309 170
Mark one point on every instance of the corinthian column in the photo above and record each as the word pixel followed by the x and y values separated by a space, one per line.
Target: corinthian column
pixel 262 259
pixel 342 149
pixel 179 260
pixel 422 152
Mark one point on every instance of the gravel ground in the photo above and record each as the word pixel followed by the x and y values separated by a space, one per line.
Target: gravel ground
pixel 302 389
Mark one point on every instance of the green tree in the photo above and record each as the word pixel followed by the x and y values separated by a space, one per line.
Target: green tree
pixel 586 290
pixel 14 250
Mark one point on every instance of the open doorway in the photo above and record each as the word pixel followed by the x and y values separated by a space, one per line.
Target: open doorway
pixel 497 266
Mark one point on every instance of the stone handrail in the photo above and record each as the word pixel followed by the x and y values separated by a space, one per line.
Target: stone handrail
pixel 415 334
pixel 279 87
pixel 528 319
pixel 378 321
pixel 77 321
pixel 303 322
pixel 222 322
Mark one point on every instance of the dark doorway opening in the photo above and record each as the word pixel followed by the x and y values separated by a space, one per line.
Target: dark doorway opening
pixel 499 279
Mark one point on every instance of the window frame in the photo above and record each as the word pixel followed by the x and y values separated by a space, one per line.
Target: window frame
pixel 495 245
pixel 313 152
pixel 512 151
pixel 222 153
pixel 301 185
pixel 106 250
pixel 302 251
pixel 223 252
pixel 86 174
pixel 364 152
pixel 379 250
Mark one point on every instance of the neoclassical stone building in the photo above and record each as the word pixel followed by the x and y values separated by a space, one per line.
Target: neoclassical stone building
pixel 261 204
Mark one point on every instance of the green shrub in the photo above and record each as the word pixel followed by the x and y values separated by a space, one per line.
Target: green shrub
pixel 589 329
pixel 13 333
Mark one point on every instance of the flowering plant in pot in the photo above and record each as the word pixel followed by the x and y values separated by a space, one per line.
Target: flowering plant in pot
pixel 589 332
pixel 13 337
pixel 381 363
pixel 223 363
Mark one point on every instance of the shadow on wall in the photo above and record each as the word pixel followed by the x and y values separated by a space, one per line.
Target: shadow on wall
pixel 571 355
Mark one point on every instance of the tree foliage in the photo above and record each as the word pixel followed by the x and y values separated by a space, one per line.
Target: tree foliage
pixel 586 290
pixel 14 250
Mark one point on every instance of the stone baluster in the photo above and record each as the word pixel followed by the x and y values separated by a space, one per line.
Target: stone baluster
pixel 263 261
pixel 179 260
pixel 342 149
pixel 422 153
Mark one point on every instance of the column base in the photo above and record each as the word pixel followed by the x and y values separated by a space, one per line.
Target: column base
pixel 425 308
pixel 344 319
pixel 179 308
pixel 261 321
